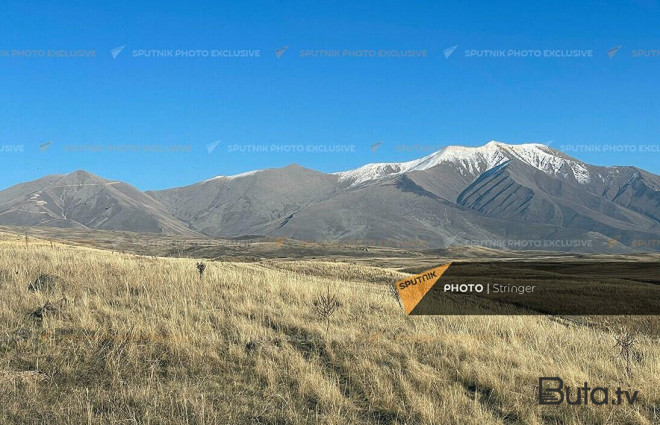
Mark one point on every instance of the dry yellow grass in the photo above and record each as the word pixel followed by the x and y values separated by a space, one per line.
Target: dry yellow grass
pixel 139 340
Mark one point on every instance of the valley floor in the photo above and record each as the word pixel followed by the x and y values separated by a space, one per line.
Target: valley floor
pixel 118 338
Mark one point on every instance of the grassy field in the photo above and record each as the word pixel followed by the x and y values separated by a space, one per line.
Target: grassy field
pixel 125 339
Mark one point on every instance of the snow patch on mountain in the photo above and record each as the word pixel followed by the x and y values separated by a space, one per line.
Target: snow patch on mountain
pixel 235 176
pixel 548 160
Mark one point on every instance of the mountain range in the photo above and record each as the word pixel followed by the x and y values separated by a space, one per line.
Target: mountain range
pixel 526 196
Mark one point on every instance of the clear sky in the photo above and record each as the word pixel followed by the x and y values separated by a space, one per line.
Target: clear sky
pixel 150 120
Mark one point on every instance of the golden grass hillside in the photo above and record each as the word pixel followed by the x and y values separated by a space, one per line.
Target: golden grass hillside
pixel 120 339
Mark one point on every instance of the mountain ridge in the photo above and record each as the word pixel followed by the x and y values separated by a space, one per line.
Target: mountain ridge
pixel 494 192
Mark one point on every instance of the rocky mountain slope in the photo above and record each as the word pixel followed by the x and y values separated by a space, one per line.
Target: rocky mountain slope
pixel 83 200
pixel 525 196
pixel 495 195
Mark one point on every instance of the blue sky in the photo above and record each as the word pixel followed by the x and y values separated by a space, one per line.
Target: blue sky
pixel 176 106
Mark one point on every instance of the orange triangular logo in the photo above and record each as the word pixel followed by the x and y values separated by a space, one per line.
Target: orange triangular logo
pixel 412 289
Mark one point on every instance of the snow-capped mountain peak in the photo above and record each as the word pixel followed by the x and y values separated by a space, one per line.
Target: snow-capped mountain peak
pixel 470 161
pixel 475 160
